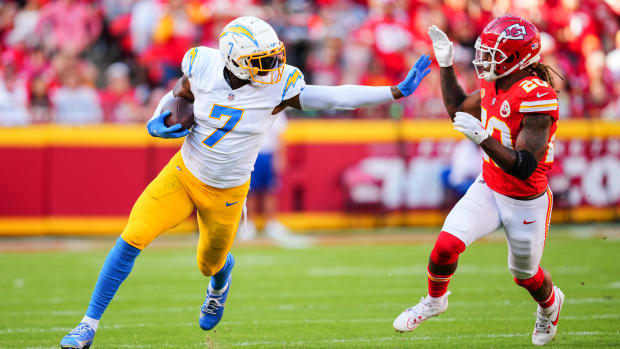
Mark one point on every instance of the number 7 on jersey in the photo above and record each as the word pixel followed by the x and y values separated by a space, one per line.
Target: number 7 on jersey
pixel 217 112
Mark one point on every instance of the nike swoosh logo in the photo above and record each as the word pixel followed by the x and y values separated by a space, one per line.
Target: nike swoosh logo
pixel 557 318
pixel 410 324
pixel 231 203
pixel 541 94
pixel 526 222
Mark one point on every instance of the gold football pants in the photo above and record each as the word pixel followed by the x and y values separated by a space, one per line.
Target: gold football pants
pixel 171 197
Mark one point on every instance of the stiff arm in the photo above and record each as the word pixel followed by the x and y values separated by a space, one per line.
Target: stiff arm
pixel 315 97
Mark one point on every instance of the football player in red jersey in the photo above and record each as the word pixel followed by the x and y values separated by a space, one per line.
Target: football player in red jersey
pixel 513 117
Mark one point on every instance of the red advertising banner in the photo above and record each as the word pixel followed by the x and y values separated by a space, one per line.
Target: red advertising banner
pixel 343 177
pixel 340 173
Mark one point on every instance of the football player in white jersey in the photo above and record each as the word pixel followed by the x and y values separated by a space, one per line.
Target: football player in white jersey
pixel 236 92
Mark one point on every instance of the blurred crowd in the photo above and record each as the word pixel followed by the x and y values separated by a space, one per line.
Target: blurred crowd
pixel 89 61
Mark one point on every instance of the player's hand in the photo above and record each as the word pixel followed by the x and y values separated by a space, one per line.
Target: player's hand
pixel 157 128
pixel 415 76
pixel 444 49
pixel 470 127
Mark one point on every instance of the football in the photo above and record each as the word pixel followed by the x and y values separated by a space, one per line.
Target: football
pixel 181 112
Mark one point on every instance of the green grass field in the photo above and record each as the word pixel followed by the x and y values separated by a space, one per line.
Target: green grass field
pixel 339 296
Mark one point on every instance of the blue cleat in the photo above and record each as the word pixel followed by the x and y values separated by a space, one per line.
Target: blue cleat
pixel 213 308
pixel 80 337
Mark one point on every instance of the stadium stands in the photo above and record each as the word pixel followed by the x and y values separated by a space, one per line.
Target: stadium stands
pixel 115 58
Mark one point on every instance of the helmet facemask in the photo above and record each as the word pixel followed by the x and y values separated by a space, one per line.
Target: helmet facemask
pixel 493 57
pixel 488 58
pixel 265 67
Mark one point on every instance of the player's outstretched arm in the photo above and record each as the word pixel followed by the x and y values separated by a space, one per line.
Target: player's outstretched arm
pixel 530 146
pixel 454 97
pixel 315 97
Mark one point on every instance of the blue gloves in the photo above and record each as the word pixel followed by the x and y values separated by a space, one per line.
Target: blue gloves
pixel 157 128
pixel 415 75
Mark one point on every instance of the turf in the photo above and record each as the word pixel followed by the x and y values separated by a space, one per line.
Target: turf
pixel 322 297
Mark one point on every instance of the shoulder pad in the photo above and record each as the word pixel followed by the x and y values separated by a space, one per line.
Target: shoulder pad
pixel 197 59
pixel 536 96
pixel 292 82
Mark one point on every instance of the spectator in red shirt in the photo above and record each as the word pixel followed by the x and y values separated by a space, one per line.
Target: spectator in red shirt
pixel 75 102
pixel 68 25
pixel 13 93
pixel 118 99
pixel 387 32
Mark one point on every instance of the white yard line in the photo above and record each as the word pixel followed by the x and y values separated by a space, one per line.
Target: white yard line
pixel 107 327
pixel 301 307
pixel 407 338
pixel 414 270
pixel 395 338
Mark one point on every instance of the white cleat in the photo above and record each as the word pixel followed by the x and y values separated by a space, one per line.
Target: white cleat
pixel 411 318
pixel 283 237
pixel 248 233
pixel 547 324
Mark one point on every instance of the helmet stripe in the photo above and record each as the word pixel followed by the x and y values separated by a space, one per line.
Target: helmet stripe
pixel 240 30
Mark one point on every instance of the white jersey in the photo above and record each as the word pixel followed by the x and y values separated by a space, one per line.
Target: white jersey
pixel 272 139
pixel 230 125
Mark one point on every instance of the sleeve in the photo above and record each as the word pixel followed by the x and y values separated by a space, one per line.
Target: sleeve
pixel 541 100
pixel 293 82
pixel 346 97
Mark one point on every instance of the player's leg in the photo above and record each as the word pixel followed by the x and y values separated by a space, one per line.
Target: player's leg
pixel 162 205
pixel 474 216
pixel 273 228
pixel 526 224
pixel 219 215
pixel 256 197
pixel 250 232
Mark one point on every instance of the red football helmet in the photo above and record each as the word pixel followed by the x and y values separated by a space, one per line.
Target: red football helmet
pixel 507 43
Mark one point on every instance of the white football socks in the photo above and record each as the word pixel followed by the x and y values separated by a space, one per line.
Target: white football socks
pixel 91 322
pixel 436 302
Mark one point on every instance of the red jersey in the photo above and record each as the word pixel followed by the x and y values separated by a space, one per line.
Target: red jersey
pixel 502 113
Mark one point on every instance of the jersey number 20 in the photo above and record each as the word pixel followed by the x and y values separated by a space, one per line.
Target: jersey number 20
pixel 217 112
pixel 494 124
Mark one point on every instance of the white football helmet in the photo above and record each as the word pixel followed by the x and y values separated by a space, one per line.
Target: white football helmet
pixel 252 50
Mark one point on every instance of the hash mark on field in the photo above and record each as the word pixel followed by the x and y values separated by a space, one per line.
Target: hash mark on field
pixel 614 285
